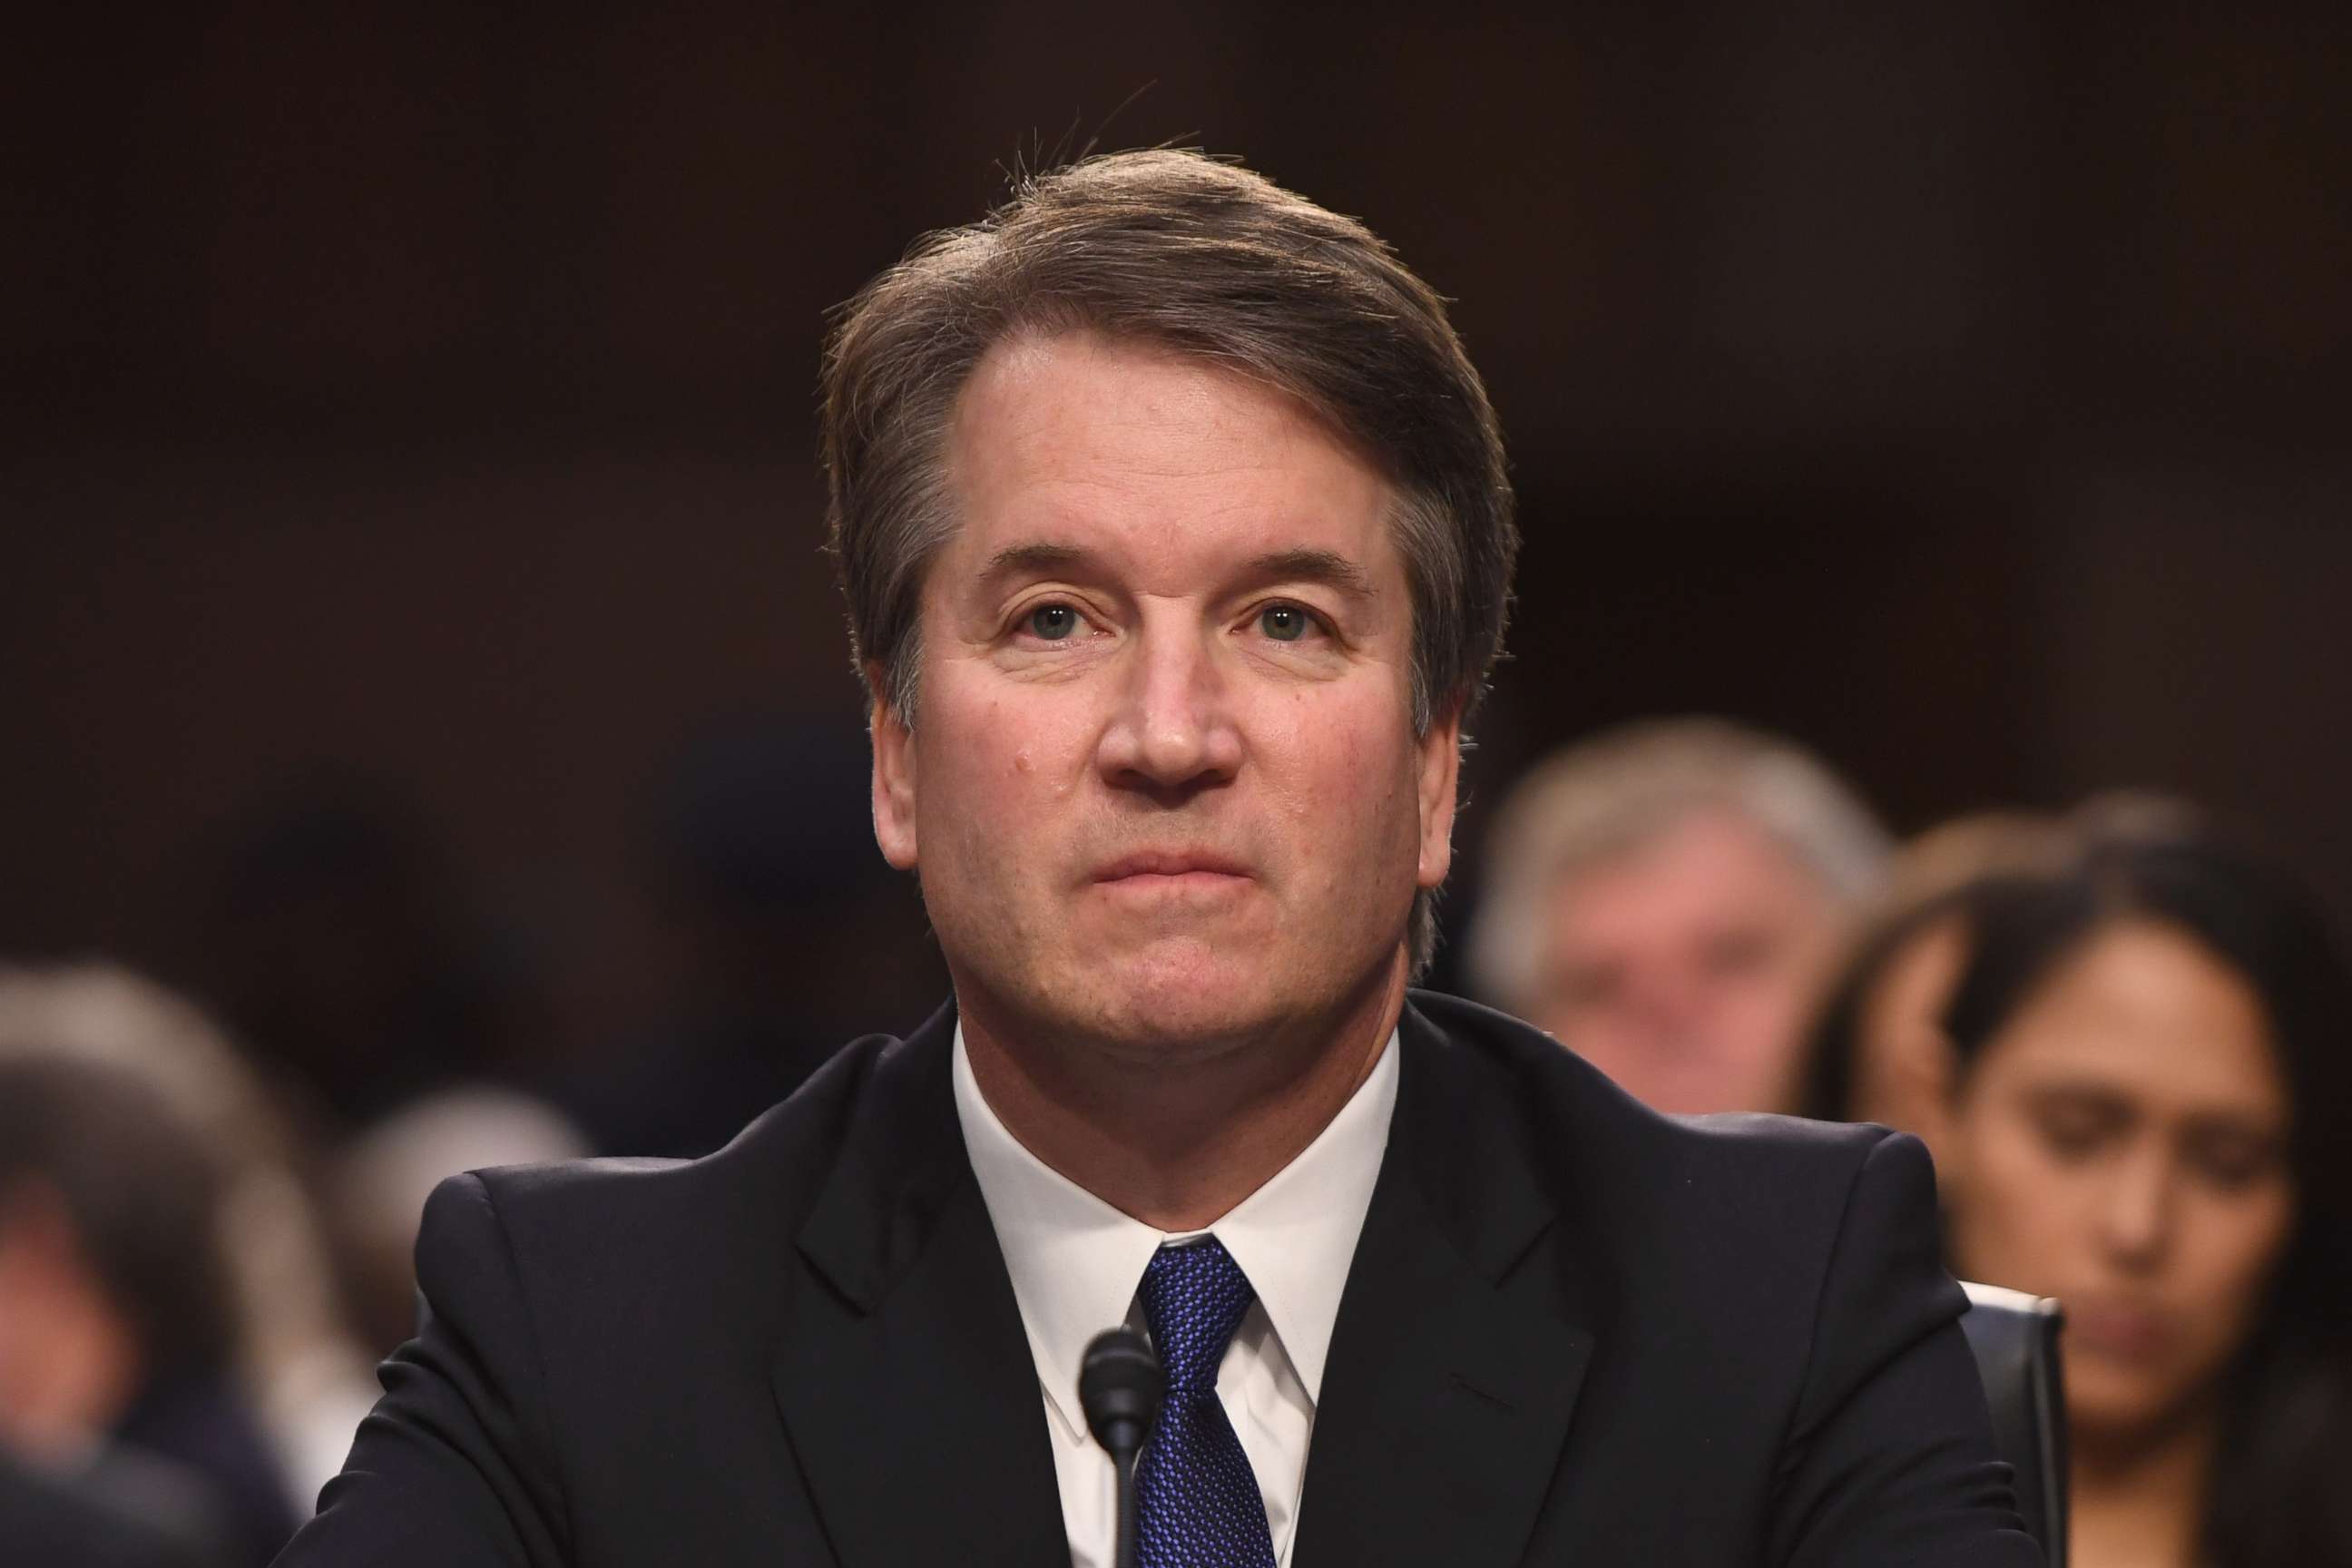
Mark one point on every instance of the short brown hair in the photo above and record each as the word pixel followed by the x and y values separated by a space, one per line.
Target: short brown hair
pixel 1211 261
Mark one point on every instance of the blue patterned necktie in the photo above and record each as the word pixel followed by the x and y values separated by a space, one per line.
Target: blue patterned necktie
pixel 1196 1501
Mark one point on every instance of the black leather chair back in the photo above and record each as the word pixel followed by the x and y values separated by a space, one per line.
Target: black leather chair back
pixel 2015 1337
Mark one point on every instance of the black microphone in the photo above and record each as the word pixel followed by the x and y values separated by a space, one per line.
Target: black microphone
pixel 1119 1385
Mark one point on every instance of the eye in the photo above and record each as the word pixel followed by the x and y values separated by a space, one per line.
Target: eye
pixel 1285 623
pixel 1053 622
pixel 2232 1161
pixel 2074 1130
pixel 2069 1139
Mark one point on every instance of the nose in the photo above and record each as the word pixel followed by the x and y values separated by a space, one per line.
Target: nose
pixel 1172 730
pixel 2137 1210
pixel 1667 1000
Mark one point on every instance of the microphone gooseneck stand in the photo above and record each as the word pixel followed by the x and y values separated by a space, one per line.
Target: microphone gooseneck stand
pixel 1120 1382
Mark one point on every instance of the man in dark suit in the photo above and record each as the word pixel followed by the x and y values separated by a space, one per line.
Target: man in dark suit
pixel 1176 538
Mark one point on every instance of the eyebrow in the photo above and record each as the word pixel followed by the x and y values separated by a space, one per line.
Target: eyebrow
pixel 1327 567
pixel 1023 560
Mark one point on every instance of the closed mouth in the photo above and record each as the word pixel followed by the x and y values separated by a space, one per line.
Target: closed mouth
pixel 1172 867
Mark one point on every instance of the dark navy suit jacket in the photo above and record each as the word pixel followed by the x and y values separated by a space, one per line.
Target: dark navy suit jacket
pixel 1574 1331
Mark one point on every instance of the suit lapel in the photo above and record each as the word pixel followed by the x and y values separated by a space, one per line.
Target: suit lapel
pixel 1446 1400
pixel 904 1379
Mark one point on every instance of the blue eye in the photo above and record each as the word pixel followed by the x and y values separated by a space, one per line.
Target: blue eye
pixel 1283 623
pixel 1053 622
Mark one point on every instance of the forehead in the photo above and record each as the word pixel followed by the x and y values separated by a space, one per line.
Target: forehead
pixel 2148 1010
pixel 1165 460
pixel 1708 868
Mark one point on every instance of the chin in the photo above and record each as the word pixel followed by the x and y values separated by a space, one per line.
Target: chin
pixel 1176 999
pixel 2116 1406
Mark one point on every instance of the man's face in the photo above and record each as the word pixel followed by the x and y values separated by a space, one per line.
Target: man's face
pixel 1685 967
pixel 1162 789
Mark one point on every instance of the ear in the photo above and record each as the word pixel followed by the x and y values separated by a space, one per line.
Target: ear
pixel 1441 772
pixel 1927 1083
pixel 893 776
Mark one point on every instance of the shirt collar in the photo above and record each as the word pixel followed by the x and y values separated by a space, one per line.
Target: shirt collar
pixel 1075 1261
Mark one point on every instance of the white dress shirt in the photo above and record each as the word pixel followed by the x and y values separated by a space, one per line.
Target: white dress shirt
pixel 1076 1263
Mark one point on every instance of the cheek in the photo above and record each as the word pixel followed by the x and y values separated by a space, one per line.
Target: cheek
pixel 1779 996
pixel 1301 743
pixel 1008 755
pixel 2234 1252
pixel 1347 788
pixel 2019 1217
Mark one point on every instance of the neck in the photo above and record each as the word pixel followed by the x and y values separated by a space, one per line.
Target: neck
pixel 1178 1144
pixel 2140 1499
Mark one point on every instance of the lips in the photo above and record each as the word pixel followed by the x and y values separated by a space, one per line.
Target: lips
pixel 1172 866
pixel 2118 1330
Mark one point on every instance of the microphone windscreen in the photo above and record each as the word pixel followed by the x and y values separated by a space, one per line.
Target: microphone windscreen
pixel 1120 1387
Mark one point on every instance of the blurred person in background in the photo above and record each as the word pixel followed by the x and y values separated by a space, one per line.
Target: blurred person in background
pixel 2149 1067
pixel 116 1322
pixel 1666 900
pixel 1877 1051
pixel 383 1176
pixel 167 1282
pixel 94 1516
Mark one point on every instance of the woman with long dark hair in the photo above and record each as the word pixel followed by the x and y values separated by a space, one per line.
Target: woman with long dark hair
pixel 2149 1079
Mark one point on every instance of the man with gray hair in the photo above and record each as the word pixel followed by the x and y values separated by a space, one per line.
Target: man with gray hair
pixel 1668 899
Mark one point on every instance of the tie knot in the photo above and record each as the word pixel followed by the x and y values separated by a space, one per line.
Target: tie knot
pixel 1194 1296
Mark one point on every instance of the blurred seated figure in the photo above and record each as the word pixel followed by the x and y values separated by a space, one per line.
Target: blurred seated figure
pixel 2149 1054
pixel 111 1510
pixel 162 1281
pixel 383 1176
pixel 1877 1052
pixel 115 1318
pixel 1666 900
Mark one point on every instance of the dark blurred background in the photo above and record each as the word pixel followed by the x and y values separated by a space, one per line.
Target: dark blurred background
pixel 415 638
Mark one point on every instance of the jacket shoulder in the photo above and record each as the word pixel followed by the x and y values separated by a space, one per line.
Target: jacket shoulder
pixel 1735 1191
pixel 1753 1243
pixel 1569 1096
pixel 624 1230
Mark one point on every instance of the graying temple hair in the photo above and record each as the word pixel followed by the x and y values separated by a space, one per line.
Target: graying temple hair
pixel 1621 789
